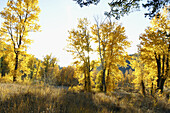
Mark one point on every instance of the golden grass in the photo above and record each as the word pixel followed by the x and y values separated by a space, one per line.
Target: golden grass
pixel 20 98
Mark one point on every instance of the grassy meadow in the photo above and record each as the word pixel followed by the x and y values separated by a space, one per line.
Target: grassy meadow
pixel 26 98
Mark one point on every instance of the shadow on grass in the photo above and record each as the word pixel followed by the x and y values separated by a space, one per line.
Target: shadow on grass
pixel 85 103
pixel 25 103
pixel 66 103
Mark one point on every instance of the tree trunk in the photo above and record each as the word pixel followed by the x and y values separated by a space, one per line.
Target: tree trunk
pixel 88 83
pixel 87 75
pixel 163 64
pixel 16 67
pixel 143 87
pixel 162 81
pixel 158 61
pixel 161 77
pixel 104 81
pixel 85 79
pixel 108 79
pixel 167 61
pixel 152 89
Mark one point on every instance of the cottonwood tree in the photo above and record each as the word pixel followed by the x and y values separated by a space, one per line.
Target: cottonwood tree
pixel 20 18
pixel 112 43
pixel 80 47
pixel 155 47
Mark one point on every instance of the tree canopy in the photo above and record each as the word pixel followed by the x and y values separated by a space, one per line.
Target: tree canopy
pixel 120 8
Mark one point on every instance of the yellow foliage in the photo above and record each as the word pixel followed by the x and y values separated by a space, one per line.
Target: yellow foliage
pixel 112 43
pixel 79 44
pixel 20 18
pixel 152 62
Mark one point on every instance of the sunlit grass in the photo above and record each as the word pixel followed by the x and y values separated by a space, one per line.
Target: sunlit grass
pixel 20 98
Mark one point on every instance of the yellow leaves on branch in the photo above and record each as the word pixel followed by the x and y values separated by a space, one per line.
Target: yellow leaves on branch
pixel 155 38
pixel 79 40
pixel 20 18
pixel 112 39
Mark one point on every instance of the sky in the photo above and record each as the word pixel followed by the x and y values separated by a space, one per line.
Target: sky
pixel 57 17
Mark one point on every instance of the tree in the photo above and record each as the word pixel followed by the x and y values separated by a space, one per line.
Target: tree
pixel 155 49
pixel 48 69
pixel 79 45
pixel 121 7
pixel 112 43
pixel 20 18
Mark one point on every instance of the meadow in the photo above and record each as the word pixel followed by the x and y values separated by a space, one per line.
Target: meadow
pixel 27 98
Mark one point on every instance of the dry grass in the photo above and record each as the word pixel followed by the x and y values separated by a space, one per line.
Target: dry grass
pixel 18 98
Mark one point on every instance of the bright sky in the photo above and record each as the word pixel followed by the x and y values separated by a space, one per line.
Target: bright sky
pixel 59 16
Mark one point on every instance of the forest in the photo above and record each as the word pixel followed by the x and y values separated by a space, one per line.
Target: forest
pixel 113 81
